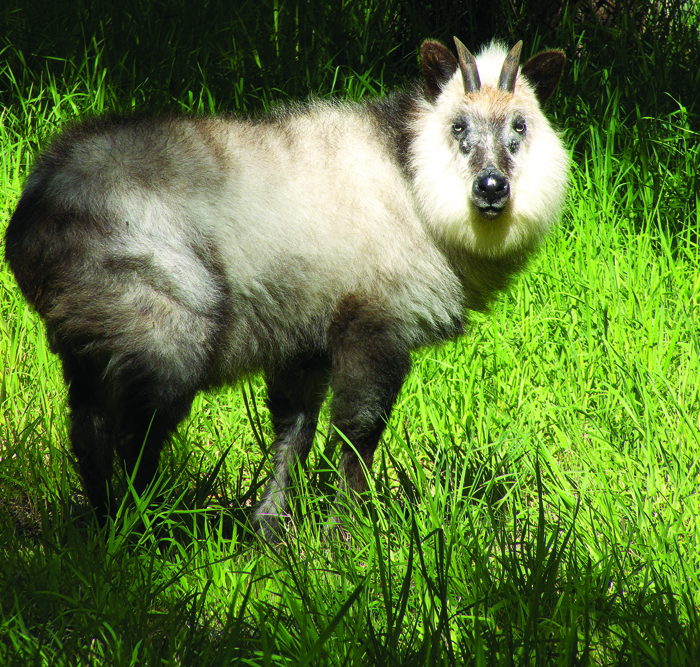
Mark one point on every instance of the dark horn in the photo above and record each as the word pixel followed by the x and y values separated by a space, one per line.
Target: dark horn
pixel 509 71
pixel 467 66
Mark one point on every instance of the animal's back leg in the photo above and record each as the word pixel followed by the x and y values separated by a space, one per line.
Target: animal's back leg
pixel 91 433
pixel 132 412
pixel 144 427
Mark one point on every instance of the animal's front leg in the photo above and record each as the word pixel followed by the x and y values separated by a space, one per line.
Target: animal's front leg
pixel 294 399
pixel 370 364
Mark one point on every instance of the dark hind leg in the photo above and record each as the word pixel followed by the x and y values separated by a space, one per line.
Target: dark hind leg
pixel 91 432
pixel 370 364
pixel 295 397
pixel 145 425
pixel 133 417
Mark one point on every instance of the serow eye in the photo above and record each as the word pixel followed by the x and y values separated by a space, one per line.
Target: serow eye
pixel 519 126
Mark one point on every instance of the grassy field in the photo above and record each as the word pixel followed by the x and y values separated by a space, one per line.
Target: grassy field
pixel 535 499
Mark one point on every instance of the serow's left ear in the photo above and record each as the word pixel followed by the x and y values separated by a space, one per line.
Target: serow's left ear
pixel 544 72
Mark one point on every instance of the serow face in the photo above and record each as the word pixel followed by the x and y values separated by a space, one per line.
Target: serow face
pixel 490 146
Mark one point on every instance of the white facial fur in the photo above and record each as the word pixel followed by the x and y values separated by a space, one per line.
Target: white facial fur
pixel 444 175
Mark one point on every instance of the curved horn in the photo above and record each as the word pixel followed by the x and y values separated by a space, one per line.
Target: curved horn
pixel 509 71
pixel 467 66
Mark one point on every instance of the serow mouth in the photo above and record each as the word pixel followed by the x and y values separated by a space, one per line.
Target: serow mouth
pixel 491 211
pixel 490 192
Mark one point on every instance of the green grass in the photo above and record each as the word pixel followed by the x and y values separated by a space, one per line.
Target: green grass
pixel 535 498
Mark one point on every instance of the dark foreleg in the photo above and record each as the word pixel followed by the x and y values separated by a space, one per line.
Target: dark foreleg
pixel 295 397
pixel 370 364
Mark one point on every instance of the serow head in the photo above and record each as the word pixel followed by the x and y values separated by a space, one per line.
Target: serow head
pixel 498 151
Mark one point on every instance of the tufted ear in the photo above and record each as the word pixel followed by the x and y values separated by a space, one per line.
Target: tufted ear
pixel 544 71
pixel 438 65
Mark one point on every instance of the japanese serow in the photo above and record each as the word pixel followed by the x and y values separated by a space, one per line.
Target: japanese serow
pixel 319 244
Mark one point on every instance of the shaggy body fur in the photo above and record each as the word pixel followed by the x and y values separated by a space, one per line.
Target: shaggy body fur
pixel 319 244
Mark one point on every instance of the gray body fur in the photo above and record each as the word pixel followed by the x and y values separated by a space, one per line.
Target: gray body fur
pixel 320 244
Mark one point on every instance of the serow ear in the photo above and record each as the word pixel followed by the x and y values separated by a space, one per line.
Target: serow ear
pixel 544 71
pixel 438 65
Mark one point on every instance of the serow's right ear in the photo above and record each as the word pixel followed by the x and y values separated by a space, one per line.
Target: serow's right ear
pixel 438 65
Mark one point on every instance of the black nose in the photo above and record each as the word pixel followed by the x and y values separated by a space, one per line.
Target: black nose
pixel 491 186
